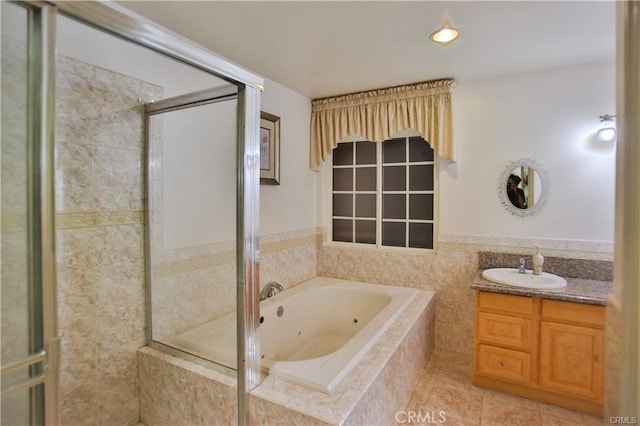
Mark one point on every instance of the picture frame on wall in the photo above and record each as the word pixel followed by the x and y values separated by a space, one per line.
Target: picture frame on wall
pixel 269 149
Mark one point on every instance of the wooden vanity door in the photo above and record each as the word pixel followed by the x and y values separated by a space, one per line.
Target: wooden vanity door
pixel 571 359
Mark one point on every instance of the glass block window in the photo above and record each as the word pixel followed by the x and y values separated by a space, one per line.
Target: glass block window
pixel 384 194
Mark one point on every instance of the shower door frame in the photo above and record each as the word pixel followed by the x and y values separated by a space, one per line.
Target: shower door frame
pixel 43 365
pixel 125 24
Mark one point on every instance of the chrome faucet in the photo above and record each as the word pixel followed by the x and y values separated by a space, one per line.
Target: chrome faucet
pixel 522 269
pixel 270 290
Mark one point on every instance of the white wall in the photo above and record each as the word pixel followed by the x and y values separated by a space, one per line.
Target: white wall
pixel 198 169
pixel 550 116
pixel 289 206
pixel 292 204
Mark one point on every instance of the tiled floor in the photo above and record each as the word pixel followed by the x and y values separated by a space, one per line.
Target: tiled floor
pixel 445 386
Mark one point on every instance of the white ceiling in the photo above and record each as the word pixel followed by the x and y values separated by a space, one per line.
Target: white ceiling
pixel 325 48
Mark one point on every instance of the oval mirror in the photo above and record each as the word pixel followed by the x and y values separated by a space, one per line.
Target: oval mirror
pixel 523 187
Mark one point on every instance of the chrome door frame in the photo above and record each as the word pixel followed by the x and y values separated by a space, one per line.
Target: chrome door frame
pixel 44 363
pixel 47 219
pixel 112 17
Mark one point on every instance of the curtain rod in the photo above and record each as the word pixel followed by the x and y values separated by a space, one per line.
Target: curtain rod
pixel 385 88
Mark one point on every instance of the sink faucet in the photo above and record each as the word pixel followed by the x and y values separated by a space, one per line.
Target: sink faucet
pixel 270 290
pixel 522 269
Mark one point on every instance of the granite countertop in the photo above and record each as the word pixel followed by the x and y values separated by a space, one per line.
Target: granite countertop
pixel 592 292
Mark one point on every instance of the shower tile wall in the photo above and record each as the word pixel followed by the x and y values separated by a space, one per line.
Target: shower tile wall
pixel 100 248
pixel 99 240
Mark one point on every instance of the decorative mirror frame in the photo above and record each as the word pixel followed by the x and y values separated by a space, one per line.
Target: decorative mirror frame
pixel 502 187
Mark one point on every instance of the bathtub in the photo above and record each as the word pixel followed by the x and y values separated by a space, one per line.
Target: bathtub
pixel 312 335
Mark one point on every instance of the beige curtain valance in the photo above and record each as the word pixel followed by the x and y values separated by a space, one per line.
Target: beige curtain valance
pixel 379 114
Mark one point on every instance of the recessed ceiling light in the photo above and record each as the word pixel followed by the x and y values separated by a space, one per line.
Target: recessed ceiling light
pixel 446 34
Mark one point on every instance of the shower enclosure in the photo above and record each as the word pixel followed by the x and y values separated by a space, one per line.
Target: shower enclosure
pixel 57 61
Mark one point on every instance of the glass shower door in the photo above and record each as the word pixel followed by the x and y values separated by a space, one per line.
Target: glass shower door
pixel 26 253
pixel 192 201
pixel 202 249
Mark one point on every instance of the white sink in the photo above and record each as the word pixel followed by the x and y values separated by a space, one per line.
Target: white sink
pixel 511 276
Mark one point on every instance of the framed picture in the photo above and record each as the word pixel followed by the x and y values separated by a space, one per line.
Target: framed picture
pixel 269 149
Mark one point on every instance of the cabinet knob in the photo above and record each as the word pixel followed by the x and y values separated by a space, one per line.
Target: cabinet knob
pixel 596 358
pixel 501 364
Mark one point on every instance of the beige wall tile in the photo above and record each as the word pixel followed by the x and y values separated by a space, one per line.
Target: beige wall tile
pixel 74 189
pixel 195 398
pixel 117 179
pixel 448 273
pixel 100 241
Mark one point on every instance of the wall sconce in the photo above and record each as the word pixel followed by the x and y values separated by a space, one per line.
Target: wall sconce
pixel 607 133
pixel 445 35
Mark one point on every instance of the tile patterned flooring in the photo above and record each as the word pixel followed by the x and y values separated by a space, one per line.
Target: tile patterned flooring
pixel 446 386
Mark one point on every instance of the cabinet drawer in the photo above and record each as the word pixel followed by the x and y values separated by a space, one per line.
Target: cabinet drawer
pixel 573 312
pixel 505 303
pixel 504 330
pixel 507 364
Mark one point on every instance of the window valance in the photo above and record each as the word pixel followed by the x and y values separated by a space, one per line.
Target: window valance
pixel 377 115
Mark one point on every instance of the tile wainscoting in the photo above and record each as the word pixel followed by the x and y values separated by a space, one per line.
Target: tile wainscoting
pixel 449 271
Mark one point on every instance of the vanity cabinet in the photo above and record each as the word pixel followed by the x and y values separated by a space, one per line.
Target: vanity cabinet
pixel 542 349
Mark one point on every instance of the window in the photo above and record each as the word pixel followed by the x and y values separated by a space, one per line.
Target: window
pixel 383 194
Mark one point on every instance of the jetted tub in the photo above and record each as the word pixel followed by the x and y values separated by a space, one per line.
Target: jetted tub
pixel 312 334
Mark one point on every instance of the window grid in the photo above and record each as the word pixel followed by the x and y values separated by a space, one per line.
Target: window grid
pixel 379 198
pixel 355 219
pixel 353 197
pixel 407 164
pixel 379 192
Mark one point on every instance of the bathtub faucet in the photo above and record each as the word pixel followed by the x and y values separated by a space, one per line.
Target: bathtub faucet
pixel 270 290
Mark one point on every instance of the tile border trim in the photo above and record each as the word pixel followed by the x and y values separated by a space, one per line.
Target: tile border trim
pixel 579 249
pixel 276 244
pixel 74 220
